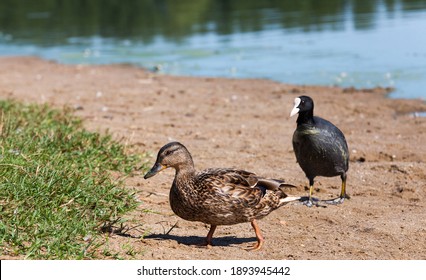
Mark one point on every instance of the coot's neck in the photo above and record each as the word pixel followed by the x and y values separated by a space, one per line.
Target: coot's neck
pixel 306 117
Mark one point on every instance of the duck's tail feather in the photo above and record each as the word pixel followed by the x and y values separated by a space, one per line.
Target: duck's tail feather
pixel 270 184
pixel 284 185
pixel 288 199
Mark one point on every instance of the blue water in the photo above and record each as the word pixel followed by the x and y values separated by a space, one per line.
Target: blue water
pixel 385 47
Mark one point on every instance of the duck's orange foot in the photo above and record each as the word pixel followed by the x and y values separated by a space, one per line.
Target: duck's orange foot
pixel 205 245
pixel 255 247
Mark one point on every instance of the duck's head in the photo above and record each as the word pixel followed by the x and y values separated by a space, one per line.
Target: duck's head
pixel 302 104
pixel 174 155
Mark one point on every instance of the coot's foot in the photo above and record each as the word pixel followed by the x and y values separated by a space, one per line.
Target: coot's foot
pixel 311 201
pixel 335 201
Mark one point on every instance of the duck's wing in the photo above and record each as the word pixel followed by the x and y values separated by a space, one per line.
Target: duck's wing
pixel 236 186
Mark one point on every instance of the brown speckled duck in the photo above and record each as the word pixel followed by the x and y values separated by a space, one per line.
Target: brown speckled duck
pixel 218 196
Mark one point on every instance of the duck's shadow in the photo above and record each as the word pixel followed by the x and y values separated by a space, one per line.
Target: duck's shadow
pixel 196 240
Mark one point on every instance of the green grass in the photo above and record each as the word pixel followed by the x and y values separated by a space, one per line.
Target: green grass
pixel 56 183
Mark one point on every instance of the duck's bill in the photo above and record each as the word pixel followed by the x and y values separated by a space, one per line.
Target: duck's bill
pixel 154 170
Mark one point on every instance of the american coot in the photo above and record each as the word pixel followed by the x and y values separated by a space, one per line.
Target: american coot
pixel 219 196
pixel 320 148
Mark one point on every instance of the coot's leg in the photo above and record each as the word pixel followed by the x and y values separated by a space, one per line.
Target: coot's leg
pixel 311 201
pixel 343 195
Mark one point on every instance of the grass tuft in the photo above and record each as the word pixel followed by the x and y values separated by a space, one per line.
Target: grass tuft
pixel 56 186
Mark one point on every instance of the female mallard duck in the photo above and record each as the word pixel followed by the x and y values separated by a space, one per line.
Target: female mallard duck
pixel 219 196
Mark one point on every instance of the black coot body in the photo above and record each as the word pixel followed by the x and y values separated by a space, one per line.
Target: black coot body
pixel 320 147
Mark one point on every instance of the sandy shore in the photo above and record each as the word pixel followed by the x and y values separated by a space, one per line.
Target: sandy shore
pixel 244 123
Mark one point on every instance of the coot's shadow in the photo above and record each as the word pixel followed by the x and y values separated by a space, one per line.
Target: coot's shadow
pixel 306 198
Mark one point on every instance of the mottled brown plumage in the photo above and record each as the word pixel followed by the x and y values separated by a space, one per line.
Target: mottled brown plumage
pixel 218 196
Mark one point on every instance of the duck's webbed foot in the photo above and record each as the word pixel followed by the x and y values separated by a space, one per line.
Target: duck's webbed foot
pixel 256 246
pixel 208 241
pixel 205 245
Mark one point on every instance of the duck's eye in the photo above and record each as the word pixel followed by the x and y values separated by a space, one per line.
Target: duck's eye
pixel 168 152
